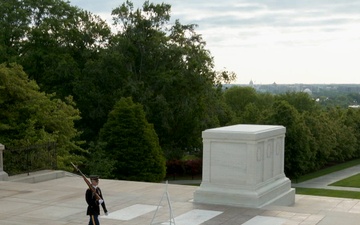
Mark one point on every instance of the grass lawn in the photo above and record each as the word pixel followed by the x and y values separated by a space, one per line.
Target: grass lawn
pixel 325 171
pixel 328 193
pixel 353 181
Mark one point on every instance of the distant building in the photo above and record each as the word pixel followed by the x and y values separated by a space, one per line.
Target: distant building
pixel 354 106
pixel 308 91
pixel 251 83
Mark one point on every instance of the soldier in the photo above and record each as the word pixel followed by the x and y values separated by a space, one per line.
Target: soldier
pixel 94 202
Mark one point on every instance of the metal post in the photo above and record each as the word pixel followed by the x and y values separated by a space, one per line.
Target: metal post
pixel 172 219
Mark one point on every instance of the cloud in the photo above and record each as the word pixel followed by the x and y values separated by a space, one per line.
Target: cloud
pixel 234 14
pixel 269 18
pixel 270 40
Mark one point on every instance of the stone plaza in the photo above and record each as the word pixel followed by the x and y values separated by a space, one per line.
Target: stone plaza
pixel 243 182
pixel 61 201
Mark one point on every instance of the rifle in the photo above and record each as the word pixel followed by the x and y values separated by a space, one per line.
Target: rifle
pixel 87 182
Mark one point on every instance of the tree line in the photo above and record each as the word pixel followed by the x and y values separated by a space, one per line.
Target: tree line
pixel 316 135
pixel 122 104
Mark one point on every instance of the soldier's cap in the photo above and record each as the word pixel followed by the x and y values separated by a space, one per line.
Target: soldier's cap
pixel 94 177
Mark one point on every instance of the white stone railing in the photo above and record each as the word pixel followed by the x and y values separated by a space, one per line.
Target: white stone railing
pixel 3 174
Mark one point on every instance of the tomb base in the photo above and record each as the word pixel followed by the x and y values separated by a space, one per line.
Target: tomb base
pixel 243 165
pixel 277 192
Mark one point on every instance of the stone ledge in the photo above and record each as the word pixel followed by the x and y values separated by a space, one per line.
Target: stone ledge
pixel 39 176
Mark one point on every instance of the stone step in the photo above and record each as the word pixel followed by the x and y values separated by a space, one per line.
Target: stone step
pixel 39 176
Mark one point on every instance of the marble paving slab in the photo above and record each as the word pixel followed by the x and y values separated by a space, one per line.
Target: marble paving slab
pixel 195 217
pixel 265 220
pixel 130 212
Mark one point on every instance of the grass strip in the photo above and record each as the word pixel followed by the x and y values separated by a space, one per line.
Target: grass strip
pixel 353 181
pixel 328 193
pixel 326 171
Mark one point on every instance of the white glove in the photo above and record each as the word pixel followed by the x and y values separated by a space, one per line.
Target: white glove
pixel 100 201
pixel 106 213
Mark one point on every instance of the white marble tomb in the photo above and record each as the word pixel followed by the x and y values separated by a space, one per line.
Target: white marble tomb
pixel 243 165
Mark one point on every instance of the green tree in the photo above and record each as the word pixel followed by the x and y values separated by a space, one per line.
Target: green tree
pixel 13 28
pixel 323 130
pixel 164 67
pixel 51 39
pixel 346 141
pixel 353 120
pixel 251 114
pixel 239 97
pixel 30 117
pixel 300 100
pixel 132 142
pixel 99 86
pixel 99 161
pixel 171 71
pixel 248 105
pixel 299 158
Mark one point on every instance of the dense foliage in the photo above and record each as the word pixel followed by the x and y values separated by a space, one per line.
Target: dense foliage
pixel 133 143
pixel 165 67
pixel 315 136
pixel 30 117
pixel 54 55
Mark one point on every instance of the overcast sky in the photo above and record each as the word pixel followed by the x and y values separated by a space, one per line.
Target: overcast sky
pixel 266 41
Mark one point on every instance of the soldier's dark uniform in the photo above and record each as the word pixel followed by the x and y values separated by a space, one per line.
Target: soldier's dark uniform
pixel 93 209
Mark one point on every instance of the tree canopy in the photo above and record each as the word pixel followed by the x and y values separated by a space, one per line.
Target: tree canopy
pixel 29 116
pixel 315 136
pixel 51 39
pixel 59 62
pixel 133 143
pixel 164 67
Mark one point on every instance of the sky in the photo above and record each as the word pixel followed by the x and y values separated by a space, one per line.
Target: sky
pixel 267 41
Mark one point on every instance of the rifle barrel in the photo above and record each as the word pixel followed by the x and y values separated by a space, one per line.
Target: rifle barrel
pixel 87 182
